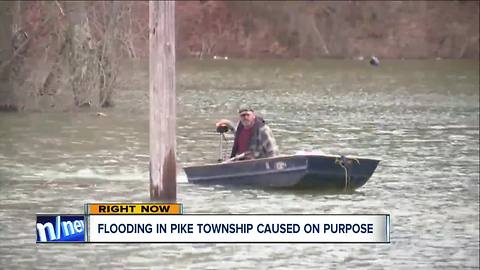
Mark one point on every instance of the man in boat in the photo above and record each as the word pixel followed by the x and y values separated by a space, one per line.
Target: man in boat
pixel 253 138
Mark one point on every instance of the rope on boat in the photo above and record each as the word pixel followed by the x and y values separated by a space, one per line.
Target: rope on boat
pixel 343 162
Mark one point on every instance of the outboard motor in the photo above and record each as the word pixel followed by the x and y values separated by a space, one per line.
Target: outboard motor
pixel 223 126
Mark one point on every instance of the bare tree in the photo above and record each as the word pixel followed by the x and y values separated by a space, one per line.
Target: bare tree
pixel 53 54
pixel 92 62
pixel 7 99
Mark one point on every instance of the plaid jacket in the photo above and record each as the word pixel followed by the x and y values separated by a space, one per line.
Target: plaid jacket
pixel 262 142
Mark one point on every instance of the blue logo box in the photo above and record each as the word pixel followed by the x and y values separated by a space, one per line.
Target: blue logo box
pixel 60 228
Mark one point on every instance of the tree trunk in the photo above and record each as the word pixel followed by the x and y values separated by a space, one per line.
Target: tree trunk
pixel 107 60
pixel 162 101
pixel 7 95
pixel 81 55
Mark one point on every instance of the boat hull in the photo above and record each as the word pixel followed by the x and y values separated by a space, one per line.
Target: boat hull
pixel 328 173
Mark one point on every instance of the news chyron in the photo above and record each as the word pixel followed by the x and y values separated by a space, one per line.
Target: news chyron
pixel 61 228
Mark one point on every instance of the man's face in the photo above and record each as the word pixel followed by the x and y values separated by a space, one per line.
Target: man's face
pixel 247 118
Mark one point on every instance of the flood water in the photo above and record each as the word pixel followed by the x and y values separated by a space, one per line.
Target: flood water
pixel 421 118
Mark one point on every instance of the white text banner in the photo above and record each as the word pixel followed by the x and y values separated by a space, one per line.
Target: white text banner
pixel 239 228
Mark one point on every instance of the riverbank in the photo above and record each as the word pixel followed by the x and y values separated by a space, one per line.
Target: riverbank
pixel 328 29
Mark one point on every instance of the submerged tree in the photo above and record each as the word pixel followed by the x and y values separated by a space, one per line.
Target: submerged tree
pixel 58 55
pixel 7 52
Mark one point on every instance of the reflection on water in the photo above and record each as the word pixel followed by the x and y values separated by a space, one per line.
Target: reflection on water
pixel 419 117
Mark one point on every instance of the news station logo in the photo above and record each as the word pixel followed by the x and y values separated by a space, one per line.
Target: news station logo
pixel 60 228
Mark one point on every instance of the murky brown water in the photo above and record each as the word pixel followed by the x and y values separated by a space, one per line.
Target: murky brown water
pixel 420 117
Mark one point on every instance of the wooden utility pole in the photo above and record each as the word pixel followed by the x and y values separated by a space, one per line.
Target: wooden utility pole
pixel 163 182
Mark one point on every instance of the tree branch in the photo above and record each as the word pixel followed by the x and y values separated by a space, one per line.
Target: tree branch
pixel 15 54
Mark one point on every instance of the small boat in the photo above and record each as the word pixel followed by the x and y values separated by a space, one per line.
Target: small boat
pixel 303 171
